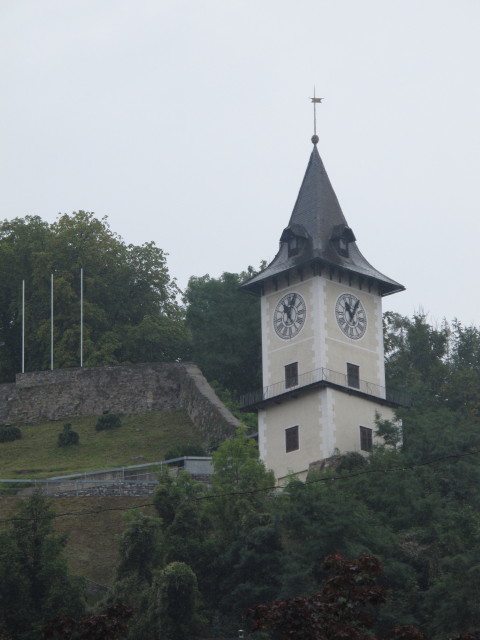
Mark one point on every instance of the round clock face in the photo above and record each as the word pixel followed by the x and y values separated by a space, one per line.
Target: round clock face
pixel 351 316
pixel 289 315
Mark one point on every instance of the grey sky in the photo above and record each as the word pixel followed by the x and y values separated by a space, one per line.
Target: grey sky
pixel 187 122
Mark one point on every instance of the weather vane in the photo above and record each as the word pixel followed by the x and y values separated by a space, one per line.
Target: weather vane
pixel 315 101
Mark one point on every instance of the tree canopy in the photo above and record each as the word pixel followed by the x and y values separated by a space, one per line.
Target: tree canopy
pixel 130 304
pixel 35 585
pixel 225 326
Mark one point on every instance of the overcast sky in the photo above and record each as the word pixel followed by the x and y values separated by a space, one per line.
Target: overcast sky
pixel 188 122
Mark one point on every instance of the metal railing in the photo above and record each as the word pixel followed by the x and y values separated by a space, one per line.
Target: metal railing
pixel 328 376
pixel 135 475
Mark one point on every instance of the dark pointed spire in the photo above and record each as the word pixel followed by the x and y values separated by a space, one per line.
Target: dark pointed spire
pixel 319 233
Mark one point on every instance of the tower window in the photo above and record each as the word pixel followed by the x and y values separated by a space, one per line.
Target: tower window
pixel 366 439
pixel 293 246
pixel 353 375
pixel 341 237
pixel 291 439
pixel 291 375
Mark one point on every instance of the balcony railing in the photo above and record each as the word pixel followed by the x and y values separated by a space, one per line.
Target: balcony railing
pixel 330 377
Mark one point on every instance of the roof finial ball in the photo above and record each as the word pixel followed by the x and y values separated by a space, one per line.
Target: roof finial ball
pixel 315 101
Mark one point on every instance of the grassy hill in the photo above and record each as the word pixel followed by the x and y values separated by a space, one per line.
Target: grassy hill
pixel 141 438
pixel 93 525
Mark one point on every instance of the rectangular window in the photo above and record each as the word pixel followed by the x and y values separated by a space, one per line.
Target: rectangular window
pixel 353 375
pixel 366 438
pixel 291 439
pixel 291 375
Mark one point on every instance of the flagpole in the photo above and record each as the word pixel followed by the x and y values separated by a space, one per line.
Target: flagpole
pixel 51 321
pixel 23 326
pixel 81 316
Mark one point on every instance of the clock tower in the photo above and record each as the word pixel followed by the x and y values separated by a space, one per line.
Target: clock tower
pixel 322 337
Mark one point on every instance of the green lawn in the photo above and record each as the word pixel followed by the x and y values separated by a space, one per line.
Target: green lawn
pixel 141 438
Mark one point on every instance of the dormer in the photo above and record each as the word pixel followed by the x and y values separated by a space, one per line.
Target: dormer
pixel 296 238
pixel 341 237
pixel 318 234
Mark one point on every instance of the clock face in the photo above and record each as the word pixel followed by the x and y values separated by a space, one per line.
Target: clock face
pixel 289 315
pixel 351 316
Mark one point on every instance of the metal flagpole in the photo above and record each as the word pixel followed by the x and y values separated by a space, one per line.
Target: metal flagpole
pixel 23 326
pixel 81 316
pixel 51 321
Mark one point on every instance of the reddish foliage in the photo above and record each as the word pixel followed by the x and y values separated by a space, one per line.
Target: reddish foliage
pixel 342 609
pixel 111 625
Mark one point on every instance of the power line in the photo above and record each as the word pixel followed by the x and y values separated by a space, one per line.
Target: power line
pixel 433 461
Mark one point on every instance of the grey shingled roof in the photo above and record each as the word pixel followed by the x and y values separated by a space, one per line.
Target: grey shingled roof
pixel 317 215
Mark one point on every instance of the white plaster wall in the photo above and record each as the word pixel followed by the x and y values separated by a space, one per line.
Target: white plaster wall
pixel 277 352
pixel 305 412
pixel 351 412
pixel 367 352
pixel 329 421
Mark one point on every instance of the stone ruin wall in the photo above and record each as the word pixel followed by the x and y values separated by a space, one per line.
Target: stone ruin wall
pixel 136 388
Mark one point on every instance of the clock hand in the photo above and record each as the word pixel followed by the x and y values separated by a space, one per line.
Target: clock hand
pixel 287 310
pixel 348 309
pixel 355 307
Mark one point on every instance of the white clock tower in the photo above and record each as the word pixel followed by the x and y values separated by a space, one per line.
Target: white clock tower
pixel 322 337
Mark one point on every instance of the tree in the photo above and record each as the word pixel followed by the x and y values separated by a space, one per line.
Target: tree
pixel 140 548
pixel 109 624
pixel 141 555
pixel 187 527
pixel 342 609
pixel 240 482
pixel 130 302
pixel 415 355
pixel 225 326
pixel 36 585
pixel 176 594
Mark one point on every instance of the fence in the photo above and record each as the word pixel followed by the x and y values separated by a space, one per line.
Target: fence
pixel 122 481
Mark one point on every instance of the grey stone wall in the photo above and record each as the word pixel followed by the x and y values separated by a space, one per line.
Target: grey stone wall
pixel 136 388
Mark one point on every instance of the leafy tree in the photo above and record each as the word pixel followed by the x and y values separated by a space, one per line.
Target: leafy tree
pixel 239 482
pixel 109 624
pixel 36 585
pixel 249 570
pixel 415 354
pixel 140 556
pixel 342 609
pixel 186 526
pixel 130 308
pixel 140 549
pixel 225 327
pixel 176 593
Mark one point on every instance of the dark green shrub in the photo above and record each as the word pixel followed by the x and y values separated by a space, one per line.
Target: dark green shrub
pixel 8 433
pixel 67 436
pixel 180 450
pixel 108 421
